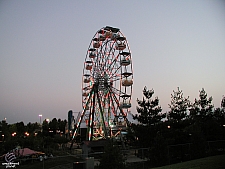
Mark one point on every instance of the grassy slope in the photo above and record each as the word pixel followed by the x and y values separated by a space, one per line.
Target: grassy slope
pixel 214 162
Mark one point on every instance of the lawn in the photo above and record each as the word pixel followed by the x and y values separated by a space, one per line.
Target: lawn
pixel 213 162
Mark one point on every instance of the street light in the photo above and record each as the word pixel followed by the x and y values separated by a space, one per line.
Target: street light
pixel 26 134
pixel 14 134
pixel 40 115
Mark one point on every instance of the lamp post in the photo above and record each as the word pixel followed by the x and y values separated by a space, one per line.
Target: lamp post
pixel 40 115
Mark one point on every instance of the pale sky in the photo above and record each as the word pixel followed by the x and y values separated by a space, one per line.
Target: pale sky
pixel 43 45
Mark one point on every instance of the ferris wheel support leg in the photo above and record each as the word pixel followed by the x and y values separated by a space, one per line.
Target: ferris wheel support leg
pixel 79 122
pixel 109 115
pixel 91 118
pixel 99 102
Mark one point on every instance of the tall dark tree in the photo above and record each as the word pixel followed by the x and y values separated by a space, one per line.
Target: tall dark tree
pixel 62 125
pixel 148 109
pixel 20 128
pixel 149 117
pixel 32 127
pixel 219 118
pixel 53 125
pixel 201 112
pixel 178 106
pixel 219 115
pixel 45 128
pixel 223 103
pixel 222 115
pixel 203 108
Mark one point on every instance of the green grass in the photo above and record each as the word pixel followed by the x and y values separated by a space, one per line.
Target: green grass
pixel 213 162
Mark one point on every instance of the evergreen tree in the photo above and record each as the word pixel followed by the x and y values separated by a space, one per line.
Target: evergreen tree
pixel 149 111
pixel 201 112
pixel 223 104
pixel 202 109
pixel 178 106
pixel 149 117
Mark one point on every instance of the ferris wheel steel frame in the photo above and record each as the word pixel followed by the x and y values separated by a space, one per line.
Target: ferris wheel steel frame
pixel 106 85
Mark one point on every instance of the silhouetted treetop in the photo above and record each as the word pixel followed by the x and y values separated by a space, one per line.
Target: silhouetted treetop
pixel 149 110
pixel 178 106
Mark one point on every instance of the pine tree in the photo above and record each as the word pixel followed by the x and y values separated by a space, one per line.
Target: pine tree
pixel 203 108
pixel 223 103
pixel 178 106
pixel 149 110
pixel 219 113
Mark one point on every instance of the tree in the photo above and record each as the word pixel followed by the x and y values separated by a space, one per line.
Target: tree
pixel 178 106
pixel 219 118
pixel 62 125
pixel 149 111
pixel 53 125
pixel 223 104
pixel 112 158
pixel 45 128
pixel 20 128
pixel 202 109
pixel 149 117
pixel 201 112
pixel 32 127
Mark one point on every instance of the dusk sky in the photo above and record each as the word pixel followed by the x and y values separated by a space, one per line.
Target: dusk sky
pixel 43 46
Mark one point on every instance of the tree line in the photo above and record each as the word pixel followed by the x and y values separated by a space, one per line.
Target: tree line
pixel 186 123
pixel 48 136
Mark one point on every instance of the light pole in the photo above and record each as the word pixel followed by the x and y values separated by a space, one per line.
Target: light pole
pixel 40 115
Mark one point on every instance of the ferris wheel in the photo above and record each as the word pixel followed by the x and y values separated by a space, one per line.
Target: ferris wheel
pixel 106 85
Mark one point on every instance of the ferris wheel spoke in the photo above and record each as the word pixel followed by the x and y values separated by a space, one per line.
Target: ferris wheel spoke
pixel 100 107
pixel 115 71
pixel 119 92
pixel 112 64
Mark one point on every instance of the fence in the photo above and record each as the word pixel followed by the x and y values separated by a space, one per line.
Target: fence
pixel 189 151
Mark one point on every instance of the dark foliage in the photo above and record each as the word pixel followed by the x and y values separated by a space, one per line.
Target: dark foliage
pixel 112 158
pixel 149 111
pixel 178 106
